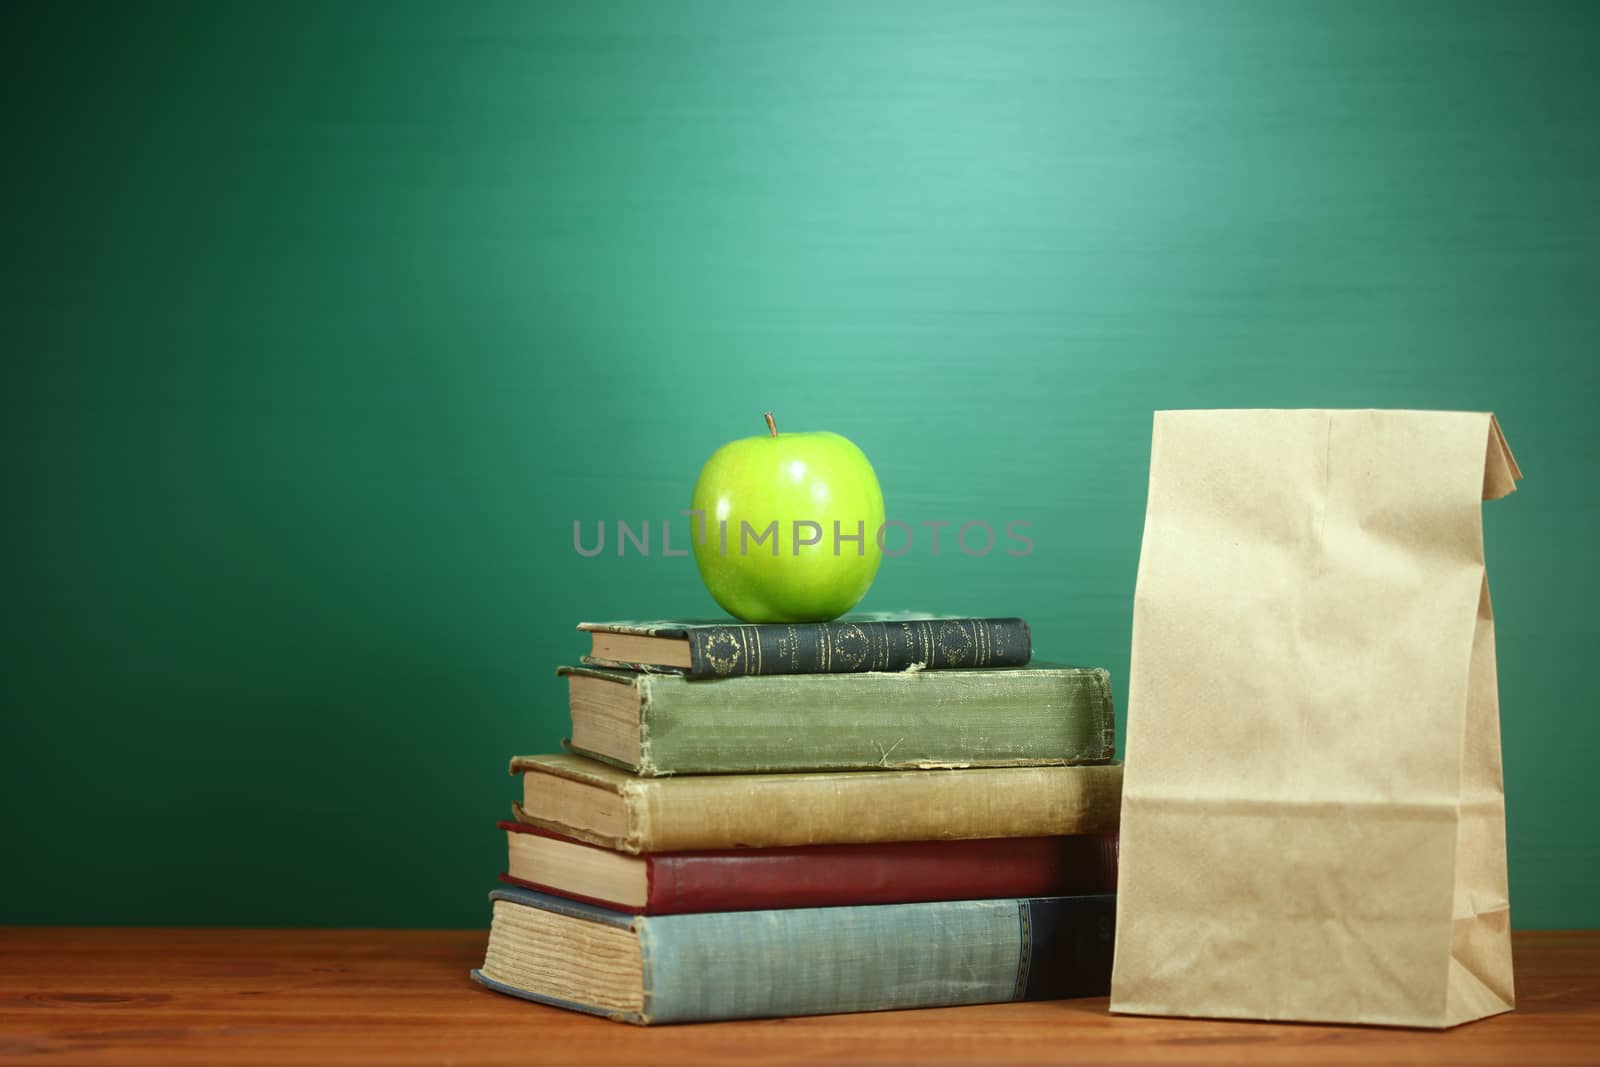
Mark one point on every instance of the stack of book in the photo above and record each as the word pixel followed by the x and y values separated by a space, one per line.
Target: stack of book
pixel 881 812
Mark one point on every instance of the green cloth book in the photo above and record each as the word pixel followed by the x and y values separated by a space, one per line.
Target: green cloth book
pixel 655 724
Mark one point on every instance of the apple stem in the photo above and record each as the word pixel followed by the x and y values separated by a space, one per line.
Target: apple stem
pixel 771 424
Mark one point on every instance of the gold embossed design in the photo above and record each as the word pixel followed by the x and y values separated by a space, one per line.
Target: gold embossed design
pixel 955 644
pixel 724 650
pixel 852 646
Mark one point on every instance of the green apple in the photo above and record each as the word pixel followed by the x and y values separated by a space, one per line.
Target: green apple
pixel 767 548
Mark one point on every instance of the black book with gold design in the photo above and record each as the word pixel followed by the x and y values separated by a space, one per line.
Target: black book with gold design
pixel 866 642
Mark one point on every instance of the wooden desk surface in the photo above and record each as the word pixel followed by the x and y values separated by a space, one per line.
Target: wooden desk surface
pixel 295 997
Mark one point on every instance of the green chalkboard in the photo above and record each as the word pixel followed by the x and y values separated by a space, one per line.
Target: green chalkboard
pixel 324 322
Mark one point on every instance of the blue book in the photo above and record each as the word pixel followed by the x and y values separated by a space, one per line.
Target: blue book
pixel 800 961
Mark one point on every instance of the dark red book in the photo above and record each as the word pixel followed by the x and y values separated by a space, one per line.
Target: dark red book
pixel 814 876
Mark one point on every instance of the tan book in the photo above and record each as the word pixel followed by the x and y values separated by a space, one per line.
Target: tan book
pixel 591 801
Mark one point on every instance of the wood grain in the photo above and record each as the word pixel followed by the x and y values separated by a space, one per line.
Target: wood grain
pixel 183 996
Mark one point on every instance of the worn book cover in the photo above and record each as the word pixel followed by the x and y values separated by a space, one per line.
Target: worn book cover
pixel 863 642
pixel 799 961
pixel 815 876
pixel 597 803
pixel 665 724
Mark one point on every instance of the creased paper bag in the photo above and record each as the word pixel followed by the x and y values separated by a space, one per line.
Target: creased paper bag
pixel 1313 817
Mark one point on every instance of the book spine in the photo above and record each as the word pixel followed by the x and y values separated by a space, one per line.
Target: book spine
pixel 893 873
pixel 850 647
pixel 811 961
pixel 771 811
pixel 1070 941
pixel 880 722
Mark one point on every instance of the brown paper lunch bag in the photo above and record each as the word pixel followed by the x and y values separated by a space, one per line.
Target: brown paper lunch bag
pixel 1313 816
